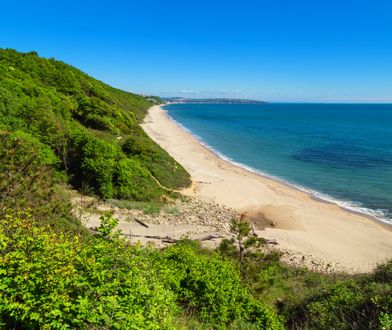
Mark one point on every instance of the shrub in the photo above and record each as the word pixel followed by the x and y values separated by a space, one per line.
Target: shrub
pixel 163 167
pixel 346 304
pixel 135 182
pixel 211 288
pixel 383 272
pixel 27 181
pixel 50 280
pixel 333 307
pixel 108 224
pixel 99 165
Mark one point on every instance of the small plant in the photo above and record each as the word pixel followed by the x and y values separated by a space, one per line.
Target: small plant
pixel 122 203
pixel 172 210
pixel 108 224
pixel 152 209
pixel 244 239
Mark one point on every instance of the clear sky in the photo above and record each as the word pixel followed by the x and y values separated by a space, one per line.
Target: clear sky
pixel 274 50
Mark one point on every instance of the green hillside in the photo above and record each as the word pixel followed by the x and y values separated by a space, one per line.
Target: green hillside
pixel 85 128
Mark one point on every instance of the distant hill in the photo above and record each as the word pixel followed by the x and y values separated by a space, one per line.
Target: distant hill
pixel 211 101
pixel 85 128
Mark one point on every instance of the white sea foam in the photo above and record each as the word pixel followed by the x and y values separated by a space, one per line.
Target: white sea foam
pixel 348 205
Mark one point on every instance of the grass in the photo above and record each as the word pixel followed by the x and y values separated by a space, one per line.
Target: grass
pixel 150 208
pixel 173 210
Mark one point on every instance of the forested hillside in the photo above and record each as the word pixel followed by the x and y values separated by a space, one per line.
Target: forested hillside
pixel 85 128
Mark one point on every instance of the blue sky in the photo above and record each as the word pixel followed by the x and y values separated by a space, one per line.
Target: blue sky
pixel 276 50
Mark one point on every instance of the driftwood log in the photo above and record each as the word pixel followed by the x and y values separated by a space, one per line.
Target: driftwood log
pixel 209 237
pixel 168 239
pixel 165 239
pixel 140 222
pixel 271 241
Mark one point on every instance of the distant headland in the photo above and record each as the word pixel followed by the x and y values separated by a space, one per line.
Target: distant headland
pixel 212 100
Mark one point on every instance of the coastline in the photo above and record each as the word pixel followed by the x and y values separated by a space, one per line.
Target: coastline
pixel 303 223
pixel 347 206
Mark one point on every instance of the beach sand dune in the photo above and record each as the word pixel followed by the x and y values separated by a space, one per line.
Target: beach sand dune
pixel 307 227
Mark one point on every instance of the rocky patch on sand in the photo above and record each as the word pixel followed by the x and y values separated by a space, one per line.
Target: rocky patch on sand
pixel 190 218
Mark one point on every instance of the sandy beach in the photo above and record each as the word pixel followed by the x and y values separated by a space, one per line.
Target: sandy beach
pixel 309 229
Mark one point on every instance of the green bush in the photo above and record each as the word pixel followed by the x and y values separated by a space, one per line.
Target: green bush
pixel 211 288
pixel 350 303
pixel 383 273
pixel 135 182
pixel 28 182
pixel 99 165
pixel 336 306
pixel 54 281
pixel 383 300
pixel 384 305
pixel 168 172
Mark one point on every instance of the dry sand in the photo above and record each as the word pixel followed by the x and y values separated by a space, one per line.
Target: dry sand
pixel 309 229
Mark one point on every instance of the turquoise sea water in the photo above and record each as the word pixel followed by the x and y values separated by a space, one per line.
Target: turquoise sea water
pixel 339 152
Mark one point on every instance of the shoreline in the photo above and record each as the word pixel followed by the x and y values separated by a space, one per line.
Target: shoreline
pixel 317 196
pixel 303 223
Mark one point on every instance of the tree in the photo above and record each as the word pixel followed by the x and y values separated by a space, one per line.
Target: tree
pixel 244 240
pixel 27 181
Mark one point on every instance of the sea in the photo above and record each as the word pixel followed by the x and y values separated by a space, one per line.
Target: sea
pixel 341 153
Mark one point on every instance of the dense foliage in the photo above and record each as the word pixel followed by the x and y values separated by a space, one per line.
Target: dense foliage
pixel 212 289
pixel 85 127
pixel 62 280
pixel 27 181
pixel 309 300
pixel 54 280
